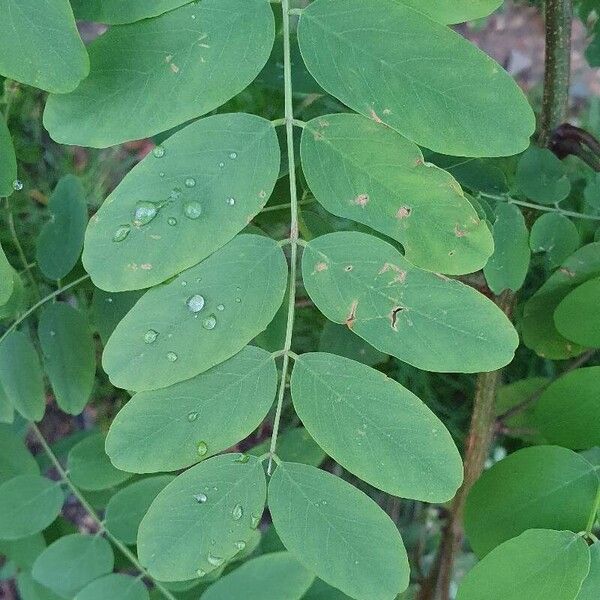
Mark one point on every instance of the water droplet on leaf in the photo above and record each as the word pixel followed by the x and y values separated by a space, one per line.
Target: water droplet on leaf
pixel 171 356
pixel 192 416
pixel 233 155
pixel 210 322
pixel 192 209
pixel 190 182
pixel 215 561
pixel 237 512
pixel 242 459
pixel 172 221
pixel 121 233
pixel 239 545
pixel 202 448
pixel 200 498
pixel 230 201
pixel 201 572
pixel 158 152
pixel 220 307
pixel 144 213
pixel 175 193
pixel 195 303
pixel 150 336
pixel 17 185
pixel 255 521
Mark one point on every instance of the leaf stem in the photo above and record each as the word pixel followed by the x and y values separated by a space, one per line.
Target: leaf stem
pixel 593 513
pixel 293 238
pixel 92 513
pixel 41 303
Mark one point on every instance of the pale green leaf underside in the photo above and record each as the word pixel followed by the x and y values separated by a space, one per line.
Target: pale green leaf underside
pixel 160 430
pixel 69 355
pixel 454 11
pixel 8 160
pixel 61 239
pixel 274 576
pixel 116 12
pixel 539 331
pixel 128 506
pixel 40 45
pixel 213 178
pixel 364 171
pixel 392 64
pixel 152 75
pixel 15 458
pixel 540 563
pixel 197 522
pixel 162 341
pixel 28 504
pixel 90 468
pixel 542 486
pixel 71 562
pixel 375 428
pixel 114 585
pixel 424 319
pixel 576 317
pixel 21 376
pixel 568 412
pixel 338 532
pixel 508 266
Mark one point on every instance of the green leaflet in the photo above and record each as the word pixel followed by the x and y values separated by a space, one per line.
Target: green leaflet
pixel 320 590
pixel 378 58
pixel 540 563
pixel 108 308
pixel 183 202
pixel 165 430
pixel 16 301
pixel 90 468
pixel 128 506
pixel 69 355
pixel 61 239
pixel 29 589
pixel 203 518
pixel 362 170
pixel 21 375
pixel 275 576
pixel 591 584
pixel 201 318
pixel 454 11
pixel 375 428
pixel 168 69
pixel 576 317
pixel 294 445
pixel 424 319
pixel 23 551
pixel 539 332
pixel 568 412
pixel 338 532
pixel 556 235
pixel 115 585
pixel 542 486
pixel 40 45
pixel 338 339
pixel 71 562
pixel 508 266
pixel 116 12
pixel 7 410
pixel 15 458
pixel 7 276
pixel 28 504
pixel 8 160
pixel 542 177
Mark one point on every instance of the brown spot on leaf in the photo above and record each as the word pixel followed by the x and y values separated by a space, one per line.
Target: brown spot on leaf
pixel 403 212
pixel 348 268
pixel 567 272
pixel 174 68
pixel 262 194
pixel 146 266
pixel 351 315
pixel 361 199
pixel 394 316
pixel 458 232
pixel 375 116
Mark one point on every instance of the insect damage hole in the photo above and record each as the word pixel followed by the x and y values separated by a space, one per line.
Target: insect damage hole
pixel 394 316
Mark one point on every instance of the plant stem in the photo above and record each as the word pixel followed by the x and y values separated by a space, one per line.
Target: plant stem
pixel 593 513
pixel 293 238
pixel 92 513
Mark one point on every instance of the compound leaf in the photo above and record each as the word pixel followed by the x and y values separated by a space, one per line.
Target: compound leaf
pixel 61 239
pixel 177 426
pixel 182 202
pixel 375 428
pixel 203 518
pixel 362 170
pixel 152 75
pixel 338 532
pixel 69 355
pixel 576 317
pixel 543 486
pixel 377 57
pixel 40 45
pixel 199 319
pixel 424 319
pixel 114 585
pixel 71 562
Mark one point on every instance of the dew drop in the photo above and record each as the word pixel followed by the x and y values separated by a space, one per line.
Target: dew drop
pixel 172 221
pixel 195 303
pixel 121 233
pixel 239 545
pixel 238 300
pixel 109 300
pixel 192 416
pixel 237 512
pixel 255 521
pixel 242 459
pixel 221 164
pixel 192 209
pixel 190 182
pixel 230 201
pixel 17 185
pixel 171 356
pixel 150 336
pixel 220 307
pixel 233 155
pixel 201 573
pixel 210 322
pixel 202 448
pixel 215 561
pixel 52 333
pixel 200 498
pixel 161 174
pixel 158 152
pixel 144 213
pixel 184 283
pixel 175 193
